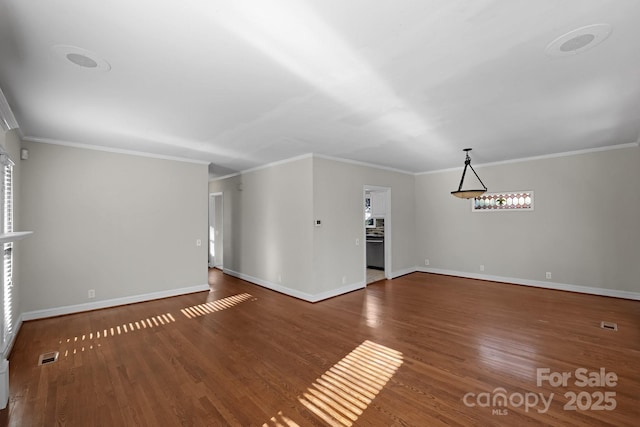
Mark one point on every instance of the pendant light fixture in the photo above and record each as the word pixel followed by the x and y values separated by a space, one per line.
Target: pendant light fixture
pixel 468 194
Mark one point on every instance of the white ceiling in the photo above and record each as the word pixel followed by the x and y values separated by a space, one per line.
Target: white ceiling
pixel 398 83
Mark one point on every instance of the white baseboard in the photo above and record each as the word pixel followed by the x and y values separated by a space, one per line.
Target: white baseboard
pixel 270 285
pixel 403 272
pixel 70 309
pixel 294 292
pixel 537 283
pixel 6 351
pixel 4 383
pixel 339 291
pixel 510 280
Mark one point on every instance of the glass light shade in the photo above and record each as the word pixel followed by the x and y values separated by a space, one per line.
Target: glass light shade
pixel 468 194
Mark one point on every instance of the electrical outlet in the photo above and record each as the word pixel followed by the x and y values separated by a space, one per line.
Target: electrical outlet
pixel 91 293
pixel 357 242
pixel 344 280
pixel 426 261
pixel 548 275
pixel 198 242
pixel 481 267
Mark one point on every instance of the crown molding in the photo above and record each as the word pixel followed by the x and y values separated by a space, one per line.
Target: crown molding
pixel 265 166
pixel 365 164
pixel 542 157
pixel 220 178
pixel 278 162
pixel 311 155
pixel 112 150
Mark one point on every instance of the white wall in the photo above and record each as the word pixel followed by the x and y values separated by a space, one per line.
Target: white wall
pixel 269 231
pixel 584 229
pixel 268 225
pixel 338 202
pixel 123 225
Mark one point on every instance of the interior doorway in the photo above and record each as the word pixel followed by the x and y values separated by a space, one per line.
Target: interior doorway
pixel 377 233
pixel 216 235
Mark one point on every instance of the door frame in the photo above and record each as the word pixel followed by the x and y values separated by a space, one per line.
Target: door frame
pixel 387 229
pixel 219 238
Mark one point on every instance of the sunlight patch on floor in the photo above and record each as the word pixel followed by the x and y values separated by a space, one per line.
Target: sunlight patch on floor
pixel 218 305
pixel 345 391
pixel 89 341
pixel 94 339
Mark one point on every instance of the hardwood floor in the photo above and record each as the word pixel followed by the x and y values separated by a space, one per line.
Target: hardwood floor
pixel 421 350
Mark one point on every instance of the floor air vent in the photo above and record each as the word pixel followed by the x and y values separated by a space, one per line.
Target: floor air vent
pixel 47 358
pixel 609 325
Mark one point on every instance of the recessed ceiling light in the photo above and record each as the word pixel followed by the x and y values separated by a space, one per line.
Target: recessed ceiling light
pixel 81 57
pixel 81 60
pixel 578 40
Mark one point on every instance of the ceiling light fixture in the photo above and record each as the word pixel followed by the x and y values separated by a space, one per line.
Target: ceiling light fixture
pixel 82 58
pixel 468 194
pixel 578 40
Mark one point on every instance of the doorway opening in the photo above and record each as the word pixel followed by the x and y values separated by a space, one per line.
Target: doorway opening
pixel 216 247
pixel 377 233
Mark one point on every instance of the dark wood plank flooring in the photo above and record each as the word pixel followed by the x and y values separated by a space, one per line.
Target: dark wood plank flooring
pixel 404 352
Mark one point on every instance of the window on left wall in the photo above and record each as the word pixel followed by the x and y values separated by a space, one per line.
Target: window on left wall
pixel 7 227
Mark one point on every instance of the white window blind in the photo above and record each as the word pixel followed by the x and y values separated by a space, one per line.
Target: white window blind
pixel 7 227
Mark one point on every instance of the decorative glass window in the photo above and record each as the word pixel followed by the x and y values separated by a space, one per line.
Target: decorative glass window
pixel 505 201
